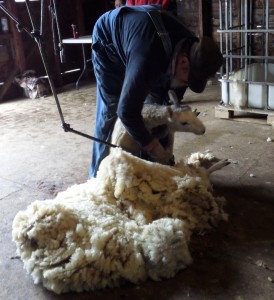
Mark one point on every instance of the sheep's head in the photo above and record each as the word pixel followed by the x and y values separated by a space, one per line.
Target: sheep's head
pixel 182 118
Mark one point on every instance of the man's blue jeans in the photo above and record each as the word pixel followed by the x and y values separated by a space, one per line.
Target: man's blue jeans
pixel 109 72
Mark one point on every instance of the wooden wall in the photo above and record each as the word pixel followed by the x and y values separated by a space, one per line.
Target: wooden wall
pixel 19 52
pixel 258 18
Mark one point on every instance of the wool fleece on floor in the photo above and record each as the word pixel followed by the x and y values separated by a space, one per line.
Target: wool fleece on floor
pixel 134 221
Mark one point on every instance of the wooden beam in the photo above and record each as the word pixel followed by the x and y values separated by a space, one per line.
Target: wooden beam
pixel 201 18
pixel 80 16
pixel 17 42
pixel 9 81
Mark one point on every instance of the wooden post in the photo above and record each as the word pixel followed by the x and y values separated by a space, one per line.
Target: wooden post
pixel 200 16
pixel 80 16
pixel 20 59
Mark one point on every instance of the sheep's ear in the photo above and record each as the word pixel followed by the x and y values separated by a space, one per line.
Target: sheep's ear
pixel 173 97
pixel 196 112
pixel 17 79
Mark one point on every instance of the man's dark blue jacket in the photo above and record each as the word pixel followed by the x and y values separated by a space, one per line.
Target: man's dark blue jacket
pixel 132 36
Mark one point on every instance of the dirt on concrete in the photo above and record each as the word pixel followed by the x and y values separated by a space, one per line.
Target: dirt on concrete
pixel 233 261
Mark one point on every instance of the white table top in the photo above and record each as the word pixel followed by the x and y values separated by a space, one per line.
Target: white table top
pixel 85 39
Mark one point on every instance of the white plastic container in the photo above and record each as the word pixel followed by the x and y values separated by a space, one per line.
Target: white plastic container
pixel 248 87
pixel 257 96
pixel 271 97
pixel 271 87
pixel 224 88
pixel 234 93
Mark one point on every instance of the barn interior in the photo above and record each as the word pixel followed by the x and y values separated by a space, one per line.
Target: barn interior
pixel 234 260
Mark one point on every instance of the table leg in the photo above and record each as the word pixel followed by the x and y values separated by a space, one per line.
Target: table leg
pixel 84 66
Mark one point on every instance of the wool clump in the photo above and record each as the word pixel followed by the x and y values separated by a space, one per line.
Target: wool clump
pixel 132 222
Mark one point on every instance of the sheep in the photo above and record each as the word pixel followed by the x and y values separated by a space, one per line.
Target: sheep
pixel 134 221
pixel 34 87
pixel 162 122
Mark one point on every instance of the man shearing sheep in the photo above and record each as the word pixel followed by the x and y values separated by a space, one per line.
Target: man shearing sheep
pixel 138 54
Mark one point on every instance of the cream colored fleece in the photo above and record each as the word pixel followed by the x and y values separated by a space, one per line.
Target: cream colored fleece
pixel 133 222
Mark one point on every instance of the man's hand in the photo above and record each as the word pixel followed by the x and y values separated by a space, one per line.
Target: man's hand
pixel 157 153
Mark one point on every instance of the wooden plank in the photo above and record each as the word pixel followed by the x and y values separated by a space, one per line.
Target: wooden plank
pixel 270 119
pixel 250 115
pixel 223 113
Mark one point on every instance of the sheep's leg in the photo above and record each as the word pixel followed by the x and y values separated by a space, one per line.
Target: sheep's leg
pixel 217 166
pixel 168 146
pixel 170 143
pixel 117 133
pixel 121 138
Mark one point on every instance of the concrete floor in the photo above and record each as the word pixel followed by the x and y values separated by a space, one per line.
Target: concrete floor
pixel 234 261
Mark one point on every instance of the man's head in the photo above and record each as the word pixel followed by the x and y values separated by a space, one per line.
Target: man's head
pixel 119 3
pixel 196 67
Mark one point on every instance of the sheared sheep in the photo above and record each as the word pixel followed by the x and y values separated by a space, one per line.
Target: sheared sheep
pixel 162 121
pixel 132 222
